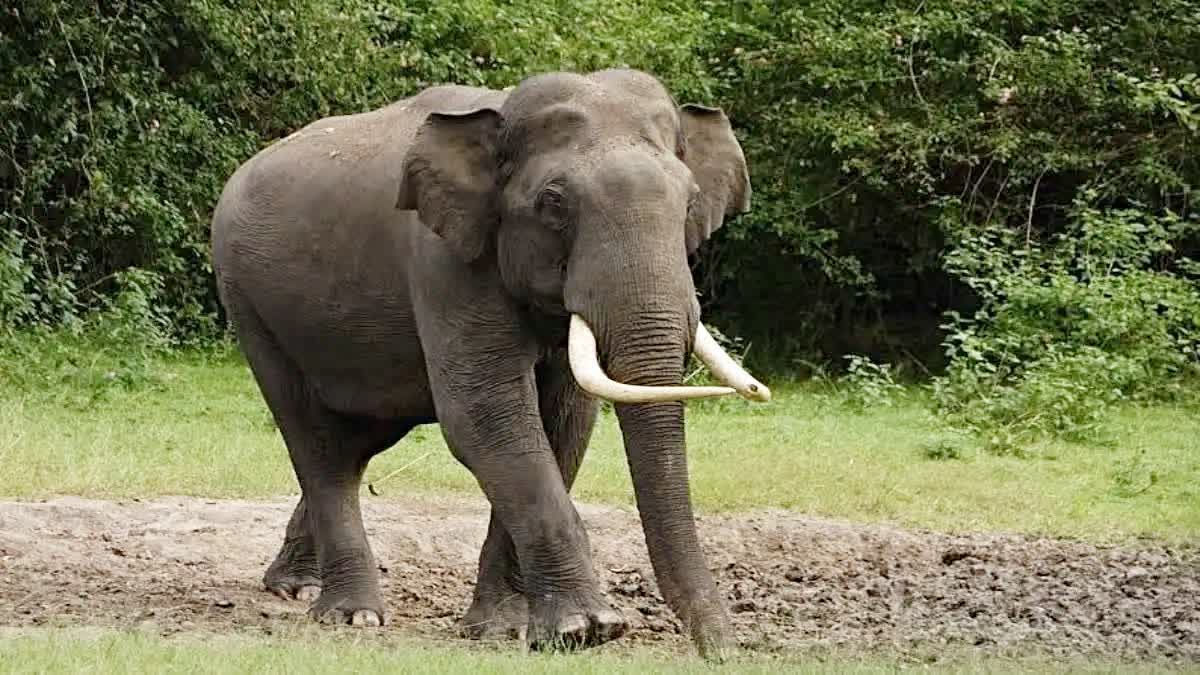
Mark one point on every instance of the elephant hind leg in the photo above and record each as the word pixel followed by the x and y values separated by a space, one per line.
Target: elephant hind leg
pixel 498 609
pixel 329 452
pixel 295 573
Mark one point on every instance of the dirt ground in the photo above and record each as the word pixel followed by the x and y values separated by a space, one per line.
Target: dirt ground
pixel 792 582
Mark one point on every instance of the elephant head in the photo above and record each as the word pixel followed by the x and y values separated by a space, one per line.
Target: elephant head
pixel 587 193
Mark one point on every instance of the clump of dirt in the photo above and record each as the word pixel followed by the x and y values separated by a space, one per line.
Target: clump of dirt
pixel 792 583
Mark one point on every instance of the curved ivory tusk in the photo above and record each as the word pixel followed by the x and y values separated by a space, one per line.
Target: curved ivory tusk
pixel 726 369
pixel 585 366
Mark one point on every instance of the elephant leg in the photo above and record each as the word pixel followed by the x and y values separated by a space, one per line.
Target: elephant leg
pixel 295 573
pixel 329 452
pixel 488 408
pixel 498 608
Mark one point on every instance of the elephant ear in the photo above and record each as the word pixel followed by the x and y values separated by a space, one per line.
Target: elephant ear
pixel 715 157
pixel 450 177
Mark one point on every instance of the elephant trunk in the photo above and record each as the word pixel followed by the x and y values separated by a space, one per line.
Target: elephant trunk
pixel 628 280
pixel 644 325
pixel 651 353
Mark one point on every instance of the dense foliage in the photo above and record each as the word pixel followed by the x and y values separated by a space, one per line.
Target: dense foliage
pixel 1091 318
pixel 1010 183
pixel 120 121
pixel 886 134
pixel 1002 192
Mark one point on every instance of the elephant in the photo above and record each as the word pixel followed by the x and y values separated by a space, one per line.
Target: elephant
pixel 497 263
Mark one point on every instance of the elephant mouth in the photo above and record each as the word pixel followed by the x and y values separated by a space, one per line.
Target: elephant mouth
pixel 585 366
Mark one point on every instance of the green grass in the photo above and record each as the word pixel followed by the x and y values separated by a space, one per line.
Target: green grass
pixel 199 427
pixel 122 652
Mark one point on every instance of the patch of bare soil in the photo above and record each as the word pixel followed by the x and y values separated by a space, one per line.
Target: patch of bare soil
pixel 792 582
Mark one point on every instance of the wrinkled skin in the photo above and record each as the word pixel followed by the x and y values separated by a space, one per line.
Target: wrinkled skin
pixel 419 263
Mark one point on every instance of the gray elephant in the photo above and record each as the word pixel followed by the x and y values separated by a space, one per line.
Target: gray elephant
pixel 495 262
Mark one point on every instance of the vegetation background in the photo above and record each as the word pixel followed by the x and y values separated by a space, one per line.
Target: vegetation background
pixel 995 198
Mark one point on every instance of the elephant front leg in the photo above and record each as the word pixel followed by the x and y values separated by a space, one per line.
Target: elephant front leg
pixel 496 431
pixel 295 573
pixel 498 609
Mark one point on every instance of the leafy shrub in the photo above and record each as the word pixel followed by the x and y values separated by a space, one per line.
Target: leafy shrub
pixel 1096 317
pixel 885 140
pixel 868 385
pixel 16 274
pixel 942 450
pixel 881 133
pixel 120 121
pixel 80 363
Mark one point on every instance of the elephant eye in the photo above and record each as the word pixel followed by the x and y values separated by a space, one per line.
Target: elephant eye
pixel 552 204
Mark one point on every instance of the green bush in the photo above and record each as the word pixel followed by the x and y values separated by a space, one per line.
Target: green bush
pixel 1065 330
pixel 120 121
pixel 867 385
pixel 882 134
pixel 116 347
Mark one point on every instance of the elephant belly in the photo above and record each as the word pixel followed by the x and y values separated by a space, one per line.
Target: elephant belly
pixel 358 350
pixel 392 390
pixel 341 313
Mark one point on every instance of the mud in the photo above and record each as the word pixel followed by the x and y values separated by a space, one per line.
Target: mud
pixel 792 582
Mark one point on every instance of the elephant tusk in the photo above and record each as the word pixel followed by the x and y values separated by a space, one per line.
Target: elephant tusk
pixel 585 366
pixel 726 369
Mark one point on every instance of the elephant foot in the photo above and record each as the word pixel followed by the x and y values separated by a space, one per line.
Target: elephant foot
pixel 572 621
pixel 293 575
pixel 496 618
pixel 304 591
pixel 293 587
pixel 347 610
